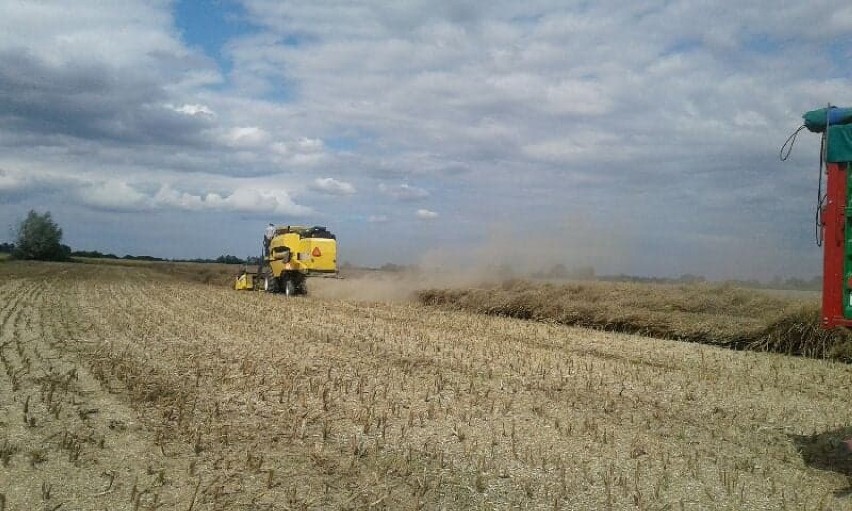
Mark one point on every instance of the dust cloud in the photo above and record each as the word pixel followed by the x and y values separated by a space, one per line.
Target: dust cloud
pixel 576 247
pixel 387 286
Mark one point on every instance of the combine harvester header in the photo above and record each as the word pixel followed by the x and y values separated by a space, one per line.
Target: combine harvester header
pixel 834 211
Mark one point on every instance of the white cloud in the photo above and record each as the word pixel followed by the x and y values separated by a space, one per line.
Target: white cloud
pixel 582 97
pixel 310 145
pixel 191 110
pixel 91 31
pixel 167 197
pixel 113 195
pixel 403 192
pixel 280 148
pixel 306 160
pixel 332 186
pixel 256 200
pixel 13 181
pixel 246 137
pixel 425 214
pixel 568 96
pixel 750 119
pixel 302 152
pixel 27 181
pixel 121 196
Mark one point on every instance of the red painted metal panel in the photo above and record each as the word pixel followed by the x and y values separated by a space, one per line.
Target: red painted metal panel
pixel 833 225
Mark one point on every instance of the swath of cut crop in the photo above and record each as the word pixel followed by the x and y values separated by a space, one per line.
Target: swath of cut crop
pixel 722 315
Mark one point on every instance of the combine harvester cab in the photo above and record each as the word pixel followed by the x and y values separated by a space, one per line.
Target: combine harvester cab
pixel 294 254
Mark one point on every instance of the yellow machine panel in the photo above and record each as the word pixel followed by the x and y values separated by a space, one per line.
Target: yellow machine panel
pixel 245 282
pixel 318 254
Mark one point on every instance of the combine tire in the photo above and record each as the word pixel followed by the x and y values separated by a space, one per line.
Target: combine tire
pixel 289 287
pixel 270 284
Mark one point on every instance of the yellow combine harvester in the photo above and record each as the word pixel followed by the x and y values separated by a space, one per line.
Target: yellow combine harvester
pixel 292 254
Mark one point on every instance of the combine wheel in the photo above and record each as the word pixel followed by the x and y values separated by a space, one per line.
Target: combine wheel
pixel 270 284
pixel 289 286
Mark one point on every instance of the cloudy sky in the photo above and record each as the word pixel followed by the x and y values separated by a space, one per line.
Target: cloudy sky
pixel 640 137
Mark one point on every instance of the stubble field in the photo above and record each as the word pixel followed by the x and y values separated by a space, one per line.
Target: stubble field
pixel 129 388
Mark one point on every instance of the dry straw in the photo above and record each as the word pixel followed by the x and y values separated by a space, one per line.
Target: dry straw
pixel 711 314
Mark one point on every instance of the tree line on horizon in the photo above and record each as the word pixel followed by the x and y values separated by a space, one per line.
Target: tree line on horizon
pixel 39 238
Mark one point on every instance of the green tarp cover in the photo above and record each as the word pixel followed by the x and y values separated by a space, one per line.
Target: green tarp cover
pixel 815 120
pixel 839 144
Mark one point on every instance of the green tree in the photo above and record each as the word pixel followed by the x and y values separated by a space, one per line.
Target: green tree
pixel 40 238
pixel 229 259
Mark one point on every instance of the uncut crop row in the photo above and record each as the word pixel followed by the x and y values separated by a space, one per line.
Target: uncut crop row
pixel 712 314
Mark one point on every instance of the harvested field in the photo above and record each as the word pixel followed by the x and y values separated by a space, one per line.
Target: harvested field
pixel 205 273
pixel 122 389
pixel 712 314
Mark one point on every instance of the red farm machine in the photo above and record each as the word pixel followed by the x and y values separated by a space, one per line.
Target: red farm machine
pixel 833 216
pixel 834 212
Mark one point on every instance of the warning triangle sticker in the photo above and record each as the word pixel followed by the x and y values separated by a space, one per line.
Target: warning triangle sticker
pixel 316 252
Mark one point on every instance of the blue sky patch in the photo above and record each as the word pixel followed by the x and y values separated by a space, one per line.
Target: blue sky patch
pixel 209 25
